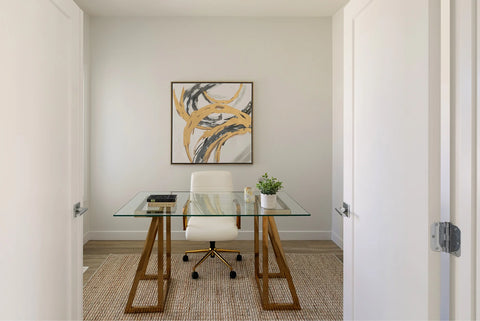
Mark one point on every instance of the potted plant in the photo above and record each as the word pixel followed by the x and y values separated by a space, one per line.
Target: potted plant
pixel 268 186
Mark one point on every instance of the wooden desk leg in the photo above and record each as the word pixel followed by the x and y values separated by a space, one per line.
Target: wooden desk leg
pixel 265 302
pixel 256 247
pixel 282 264
pixel 142 265
pixel 169 247
pixel 156 227
pixel 160 263
pixel 269 230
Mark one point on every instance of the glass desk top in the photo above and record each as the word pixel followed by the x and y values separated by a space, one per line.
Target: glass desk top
pixel 210 204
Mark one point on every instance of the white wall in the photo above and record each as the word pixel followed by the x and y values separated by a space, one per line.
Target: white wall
pixel 133 61
pixel 337 123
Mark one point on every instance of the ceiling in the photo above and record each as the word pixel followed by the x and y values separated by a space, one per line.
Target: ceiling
pixel 211 8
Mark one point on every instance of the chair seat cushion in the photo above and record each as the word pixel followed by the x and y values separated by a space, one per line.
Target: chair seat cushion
pixel 211 228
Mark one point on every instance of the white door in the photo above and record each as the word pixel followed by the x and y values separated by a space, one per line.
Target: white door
pixel 392 159
pixel 41 159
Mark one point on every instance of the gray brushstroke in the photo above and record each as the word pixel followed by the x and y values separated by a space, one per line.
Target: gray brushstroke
pixel 248 109
pixel 201 150
pixel 190 100
pixel 190 97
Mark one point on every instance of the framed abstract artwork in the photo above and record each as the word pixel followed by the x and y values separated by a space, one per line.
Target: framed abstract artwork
pixel 212 123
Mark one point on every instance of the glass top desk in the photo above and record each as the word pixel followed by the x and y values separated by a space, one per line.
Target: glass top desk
pixel 211 204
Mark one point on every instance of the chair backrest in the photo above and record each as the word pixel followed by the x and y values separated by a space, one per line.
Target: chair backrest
pixel 211 181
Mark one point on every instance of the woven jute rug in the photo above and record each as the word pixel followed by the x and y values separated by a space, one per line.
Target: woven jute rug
pixel 214 296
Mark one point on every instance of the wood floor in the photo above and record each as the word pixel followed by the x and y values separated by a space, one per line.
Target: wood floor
pixel 95 252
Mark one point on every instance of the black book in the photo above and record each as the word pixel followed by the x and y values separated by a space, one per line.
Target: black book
pixel 162 198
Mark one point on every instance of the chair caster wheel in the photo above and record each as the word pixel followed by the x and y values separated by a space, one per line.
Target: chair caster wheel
pixel 185 258
pixel 233 274
pixel 239 257
pixel 194 275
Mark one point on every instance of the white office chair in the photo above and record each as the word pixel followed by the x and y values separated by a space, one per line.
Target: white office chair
pixel 213 228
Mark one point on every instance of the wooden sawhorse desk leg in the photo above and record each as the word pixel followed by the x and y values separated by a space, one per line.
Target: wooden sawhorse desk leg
pixel 156 227
pixel 269 230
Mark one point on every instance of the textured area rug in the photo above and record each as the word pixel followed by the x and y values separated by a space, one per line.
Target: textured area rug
pixel 214 296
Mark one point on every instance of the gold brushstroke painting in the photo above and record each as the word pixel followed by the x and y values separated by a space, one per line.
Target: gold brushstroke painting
pixel 212 123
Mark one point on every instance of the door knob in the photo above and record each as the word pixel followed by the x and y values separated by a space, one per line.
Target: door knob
pixel 77 210
pixel 344 210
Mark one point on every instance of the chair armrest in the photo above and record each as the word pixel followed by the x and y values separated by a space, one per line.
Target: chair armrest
pixel 185 211
pixel 238 208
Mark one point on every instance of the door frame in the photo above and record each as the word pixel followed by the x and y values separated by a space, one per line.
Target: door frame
pixel 465 200
pixel 477 154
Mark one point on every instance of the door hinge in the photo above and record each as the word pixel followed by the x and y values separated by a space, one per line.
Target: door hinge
pixel 445 237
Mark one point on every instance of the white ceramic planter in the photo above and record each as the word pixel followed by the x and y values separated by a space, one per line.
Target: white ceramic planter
pixel 268 201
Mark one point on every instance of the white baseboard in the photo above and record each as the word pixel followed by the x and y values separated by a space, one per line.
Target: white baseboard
pixel 86 237
pixel 180 235
pixel 337 240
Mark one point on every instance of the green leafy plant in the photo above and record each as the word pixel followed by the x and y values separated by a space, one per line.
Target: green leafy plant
pixel 269 185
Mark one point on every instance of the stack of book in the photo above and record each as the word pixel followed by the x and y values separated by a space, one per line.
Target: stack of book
pixel 167 200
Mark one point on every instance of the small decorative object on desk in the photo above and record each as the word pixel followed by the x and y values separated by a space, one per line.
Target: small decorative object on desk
pixel 164 200
pixel 248 195
pixel 268 186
